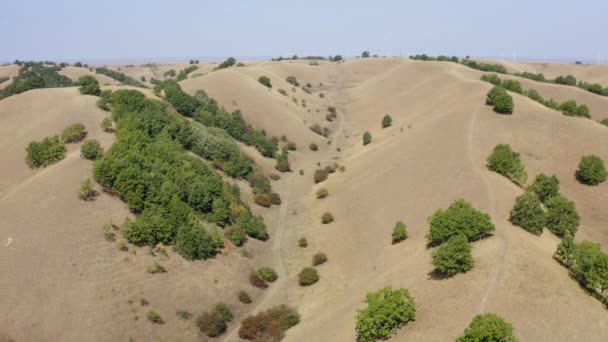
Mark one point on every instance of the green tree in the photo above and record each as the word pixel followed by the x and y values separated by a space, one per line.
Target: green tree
pixel 513 85
pixel 387 310
pixel 91 149
pixel 591 170
pixel 399 232
pixel 508 163
pixel 365 54
pixel 308 276
pixel 545 187
pixel 562 216
pixel 193 242
pixel 488 328
pixel 454 256
pixel 268 274
pixel 501 100
pixel 89 85
pixel 387 121
pixel 86 192
pixel 459 218
pixel 367 138
pixel 528 213
pixel 265 81
pixel 45 152
pixel 591 266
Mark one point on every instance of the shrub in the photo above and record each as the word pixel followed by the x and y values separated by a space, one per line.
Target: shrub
pixel 322 193
pixel 108 232
pixel 528 213
pixel 488 327
pixel 566 80
pixel 293 81
pixel 89 85
pixel 604 122
pixel 320 175
pixel 86 192
pixel 268 274
pixel 591 170
pixel 308 276
pixel 73 133
pixel 459 218
pixel 263 200
pixel 105 100
pixel 183 314
pixel 562 217
pixel 91 149
pixel 106 124
pixel 45 152
pixel 367 138
pixel 503 104
pixel 244 297
pixel 282 92
pixel 154 317
pixel 265 81
pixel 257 281
pixel 275 198
pixel 227 63
pixel 454 256
pixel 302 242
pixel 317 129
pixel 327 218
pixel 236 235
pixel 291 146
pixel 387 121
pixel 508 163
pixel 387 310
pixel 319 259
pixel 313 147
pixel 269 325
pixel 491 78
pixel 156 268
pixel 399 232
pixel 211 323
pixel 224 311
pixel 513 85
pixel 545 187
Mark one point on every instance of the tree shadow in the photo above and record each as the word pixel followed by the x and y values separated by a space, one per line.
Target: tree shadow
pixel 438 275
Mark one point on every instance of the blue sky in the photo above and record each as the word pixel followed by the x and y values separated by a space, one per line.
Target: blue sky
pixel 150 29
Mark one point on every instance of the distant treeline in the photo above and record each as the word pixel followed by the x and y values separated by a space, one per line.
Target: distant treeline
pixel 119 76
pixel 296 57
pixel 33 75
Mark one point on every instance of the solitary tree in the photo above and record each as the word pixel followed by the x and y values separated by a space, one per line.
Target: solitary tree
pixel 459 218
pixel 265 81
pixel 387 121
pixel 367 138
pixel 528 213
pixel 488 328
pixel 399 232
pixel 591 170
pixel 365 54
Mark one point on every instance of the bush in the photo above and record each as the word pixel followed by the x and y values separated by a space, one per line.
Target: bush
pixel 591 170
pixel 265 81
pixel 73 133
pixel 317 129
pixel 263 200
pixel 224 311
pixel 508 163
pixel 244 297
pixel 387 310
pixel 154 317
pixel 604 122
pixel 293 81
pixel 454 256
pixel 566 80
pixel 399 232
pixel 322 193
pixel 319 259
pixel 104 101
pixel 528 213
pixel 106 124
pixel 256 280
pixel 308 276
pixel 387 121
pixel 562 217
pixel 227 63
pixel 269 325
pixel 501 100
pixel 459 218
pixel 268 274
pixel 291 146
pixel 211 323
pixel 236 235
pixel 491 78
pixel 45 152
pixel 156 268
pixel 488 327
pixel 275 198
pixel 367 138
pixel 545 187
pixel 513 85
pixel 320 175
pixel 313 147
pixel 89 85
pixel 327 218
pixel 302 242
pixel 86 192
pixel 91 149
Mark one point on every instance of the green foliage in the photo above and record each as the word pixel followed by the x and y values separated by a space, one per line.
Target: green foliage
pixel 604 122
pixel 86 192
pixel 491 78
pixel 336 58
pixel 507 162
pixel 528 213
pixel 154 317
pixel 156 268
pixel 313 147
pixel 562 217
pixel 327 218
pixel 236 235
pixel 268 274
pixel 566 80
pixel 91 149
pixel 459 218
pixel 170 73
pixel 253 225
pixel 365 54
pixel 387 121
pixel 571 108
pixel 322 193
pixel 485 66
pixel 513 85
pixel 454 256
pixel 387 310
pixel 319 259
pixel 501 100
pixel 283 162
pixel 264 80
pixel 119 76
pixel 545 187
pixel 269 325
pixel 308 276
pixel 367 138
pixel 33 75
pixel 591 170
pixel 488 328
pixel 399 232
pixel 73 133
pixel 532 76
pixel 256 280
pixel 104 102
pixel 244 297
pixel 106 124
pixel 302 242
pixel 227 63
pixel 293 81
pixel 184 73
pixel 211 323
pixel 89 85
pixel 45 152
pixel 320 175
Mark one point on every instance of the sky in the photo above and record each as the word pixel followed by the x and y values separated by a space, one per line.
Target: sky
pixel 66 30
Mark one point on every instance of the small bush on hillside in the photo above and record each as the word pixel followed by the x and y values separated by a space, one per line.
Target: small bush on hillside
pixel 106 124
pixel 545 187
pixel 566 80
pixel 244 297
pixel 73 133
pixel 45 152
pixel 265 81
pixel 224 311
pixel 367 138
pixel 459 218
pixel 236 235
pixel 104 100
pixel 604 122
pixel 317 129
pixel 454 256
pixel 108 232
pixel 211 323
pixel 507 163
pixel 501 100
pixel 313 147
pixel 263 200
pixel 268 274
pixel 269 325
pixel 293 81
pixel 89 85
pixel 156 268
pixel 322 193
pixel 387 310
pixel 591 170
pixel 488 327
pixel 528 213
pixel 154 317
pixel 320 175
pixel 256 280
pixel 86 192
pixel 327 218
pixel 302 242
pixel 275 198
pixel 399 232
pixel 513 85
pixel 387 121
pixel 319 259
pixel 491 78
pixel 291 146
pixel 308 276
pixel 91 149
pixel 562 217
pixel 282 92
